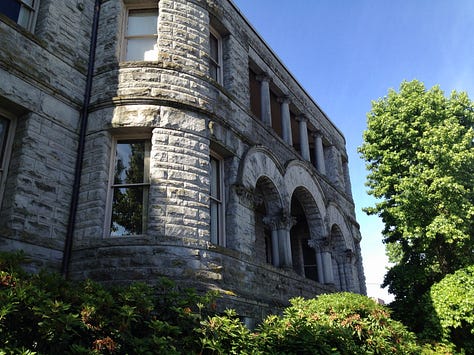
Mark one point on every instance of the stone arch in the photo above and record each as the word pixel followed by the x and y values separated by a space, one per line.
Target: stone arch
pixel 258 162
pixel 307 207
pixel 304 213
pixel 261 175
pixel 343 251
pixel 267 208
pixel 336 217
pixel 299 178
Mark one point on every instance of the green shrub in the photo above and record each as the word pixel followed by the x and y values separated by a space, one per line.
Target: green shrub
pixel 341 323
pixel 44 314
pixel 453 300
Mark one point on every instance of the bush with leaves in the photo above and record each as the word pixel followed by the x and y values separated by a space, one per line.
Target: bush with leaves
pixel 340 323
pixel 42 313
pixel 453 301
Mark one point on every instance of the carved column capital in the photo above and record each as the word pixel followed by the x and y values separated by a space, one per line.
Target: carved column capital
pixel 320 245
pixel 264 77
pixel 302 118
pixel 285 99
pixel 281 221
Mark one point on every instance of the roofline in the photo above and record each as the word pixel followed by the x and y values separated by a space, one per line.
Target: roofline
pixel 286 69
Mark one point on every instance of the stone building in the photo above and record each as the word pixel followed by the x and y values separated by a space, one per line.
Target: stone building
pixel 146 138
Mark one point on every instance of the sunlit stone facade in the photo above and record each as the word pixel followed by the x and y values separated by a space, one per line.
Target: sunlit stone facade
pixel 201 157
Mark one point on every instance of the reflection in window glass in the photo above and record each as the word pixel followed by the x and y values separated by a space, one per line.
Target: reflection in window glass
pixel 141 35
pixel 7 128
pixel 215 57
pixel 129 162
pixel 127 211
pixel 130 188
pixel 216 203
pixel 4 124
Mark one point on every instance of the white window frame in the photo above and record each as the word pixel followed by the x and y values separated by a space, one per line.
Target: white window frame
pixel 112 186
pixel 29 13
pixel 126 37
pixel 6 151
pixel 212 61
pixel 218 239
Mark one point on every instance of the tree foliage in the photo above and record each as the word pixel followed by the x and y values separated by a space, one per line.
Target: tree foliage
pixel 420 156
pixel 453 302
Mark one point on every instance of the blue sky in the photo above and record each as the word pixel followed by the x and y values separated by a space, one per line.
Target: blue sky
pixel 347 53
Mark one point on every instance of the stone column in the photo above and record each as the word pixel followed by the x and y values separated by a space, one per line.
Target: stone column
pixel 341 261
pixel 275 248
pixel 273 222
pixel 323 260
pixel 265 108
pixel 285 119
pixel 327 267
pixel 319 153
pixel 303 131
pixel 319 267
pixel 281 244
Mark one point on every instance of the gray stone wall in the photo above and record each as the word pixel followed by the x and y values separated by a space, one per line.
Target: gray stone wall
pixel 186 115
pixel 42 77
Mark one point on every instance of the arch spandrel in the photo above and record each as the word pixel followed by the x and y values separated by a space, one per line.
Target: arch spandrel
pixel 259 162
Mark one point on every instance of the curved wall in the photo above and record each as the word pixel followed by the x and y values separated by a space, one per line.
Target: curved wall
pixel 187 116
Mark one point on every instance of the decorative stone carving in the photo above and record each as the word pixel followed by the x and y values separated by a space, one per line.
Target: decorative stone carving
pixel 247 196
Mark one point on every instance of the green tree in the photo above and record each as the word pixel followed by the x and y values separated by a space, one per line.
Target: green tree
pixel 453 302
pixel 420 156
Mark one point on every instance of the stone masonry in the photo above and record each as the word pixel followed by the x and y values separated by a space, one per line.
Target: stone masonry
pixel 246 188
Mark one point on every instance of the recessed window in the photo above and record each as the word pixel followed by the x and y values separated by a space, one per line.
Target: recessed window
pixel 22 12
pixel 7 127
pixel 141 35
pixel 215 56
pixel 128 194
pixel 217 201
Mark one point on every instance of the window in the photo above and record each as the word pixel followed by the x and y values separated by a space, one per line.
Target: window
pixel 128 194
pixel 141 35
pixel 217 201
pixel 22 12
pixel 215 56
pixel 255 95
pixel 7 128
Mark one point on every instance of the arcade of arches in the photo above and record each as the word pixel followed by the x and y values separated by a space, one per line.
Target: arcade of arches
pixel 295 228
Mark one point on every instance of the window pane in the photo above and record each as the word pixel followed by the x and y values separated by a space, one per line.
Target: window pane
pixel 142 22
pixel 214 222
pixel 215 179
pixel 140 49
pixel 214 43
pixel 10 8
pixel 129 162
pixel 127 211
pixel 24 17
pixel 213 71
pixel 4 124
pixel 30 3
